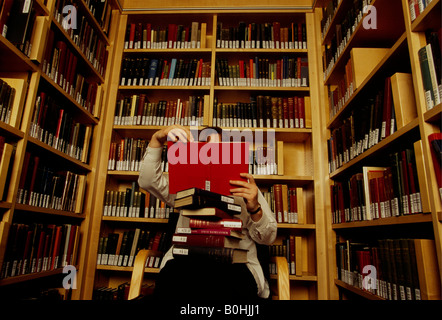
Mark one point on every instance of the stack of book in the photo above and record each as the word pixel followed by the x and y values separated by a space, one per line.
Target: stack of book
pixel 211 228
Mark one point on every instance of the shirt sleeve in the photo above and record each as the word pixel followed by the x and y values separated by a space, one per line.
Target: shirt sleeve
pixel 263 231
pixel 151 176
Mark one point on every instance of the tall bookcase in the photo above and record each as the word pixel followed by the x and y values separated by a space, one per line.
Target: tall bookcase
pixel 303 165
pixel 35 157
pixel 360 50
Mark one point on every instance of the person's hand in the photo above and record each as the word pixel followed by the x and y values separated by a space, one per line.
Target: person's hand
pixel 172 133
pixel 247 190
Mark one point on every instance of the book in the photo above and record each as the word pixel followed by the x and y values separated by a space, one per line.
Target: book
pixel 231 232
pixel 435 141
pixel 198 202
pixel 207 166
pixel 221 255
pixel 429 78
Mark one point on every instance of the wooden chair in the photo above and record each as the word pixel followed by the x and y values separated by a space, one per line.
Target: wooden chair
pixel 283 281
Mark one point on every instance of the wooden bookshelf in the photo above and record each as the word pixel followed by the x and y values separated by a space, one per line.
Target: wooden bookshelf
pixel 298 142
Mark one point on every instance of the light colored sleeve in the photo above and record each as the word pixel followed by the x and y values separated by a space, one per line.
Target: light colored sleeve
pixel 263 231
pixel 151 176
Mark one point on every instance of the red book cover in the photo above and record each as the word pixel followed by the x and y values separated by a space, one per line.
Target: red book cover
pixel 277 34
pixel 301 112
pixel 207 166
pixel 56 248
pixel 62 47
pixel 435 156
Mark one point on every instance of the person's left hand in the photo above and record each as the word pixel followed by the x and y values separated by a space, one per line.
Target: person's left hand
pixel 247 190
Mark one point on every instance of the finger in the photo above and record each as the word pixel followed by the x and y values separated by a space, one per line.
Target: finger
pixel 242 190
pixel 248 176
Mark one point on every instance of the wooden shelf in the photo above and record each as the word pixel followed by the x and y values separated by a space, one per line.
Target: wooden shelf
pixel 165 51
pixel 409 219
pixel 304 277
pixel 434 114
pixel 429 18
pixel 11 131
pixel 138 88
pixel 296 226
pixel 13 59
pixel 376 148
pixel 306 89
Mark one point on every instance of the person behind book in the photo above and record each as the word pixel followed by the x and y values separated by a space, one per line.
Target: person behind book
pixel 202 279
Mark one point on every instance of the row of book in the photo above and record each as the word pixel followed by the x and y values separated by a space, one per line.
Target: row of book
pixel 127 154
pixel 120 248
pixel 174 36
pixel 43 185
pixel 379 192
pixel 430 62
pixel 371 122
pixel 435 140
pixel 137 110
pixel 291 249
pixel 7 95
pixel 417 7
pixel 213 229
pixel 287 203
pixel 263 72
pixel 100 10
pixel 388 268
pixel 57 128
pixel 261 112
pixel 38 247
pixel 17 23
pixel 343 32
pixel 62 65
pixel 165 72
pixel 267 35
pixel 88 40
pixel 134 203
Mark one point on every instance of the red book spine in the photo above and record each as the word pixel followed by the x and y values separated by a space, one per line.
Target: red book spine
pixel 201 240
pixel 132 36
pixel 224 223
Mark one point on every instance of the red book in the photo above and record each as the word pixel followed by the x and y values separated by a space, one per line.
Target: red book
pixel 216 231
pixel 132 36
pixel 405 182
pixel 204 240
pixel 62 48
pixel 33 177
pixel 56 248
pixel 435 147
pixel 277 34
pixel 301 112
pixel 207 166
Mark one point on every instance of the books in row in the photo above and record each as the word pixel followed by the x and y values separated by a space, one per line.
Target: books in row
pixel 379 192
pixel 138 110
pixel 165 72
pixel 120 248
pixel 54 126
pixel 174 36
pixel 390 268
pixel 430 62
pixel 43 185
pixel 38 247
pixel 343 32
pixel 127 154
pixel 134 203
pixel 263 72
pixel 88 40
pixel 262 112
pixel 7 95
pixel 287 203
pixel 62 66
pixel 17 23
pixel 435 140
pixel 368 124
pixel 267 35
pixel 290 248
pixel 417 7
pixel 120 293
pixel 262 161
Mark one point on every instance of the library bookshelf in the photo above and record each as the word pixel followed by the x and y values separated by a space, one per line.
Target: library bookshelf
pixel 299 163
pixel 348 88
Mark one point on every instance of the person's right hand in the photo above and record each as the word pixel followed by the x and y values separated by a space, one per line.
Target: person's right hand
pixel 172 133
